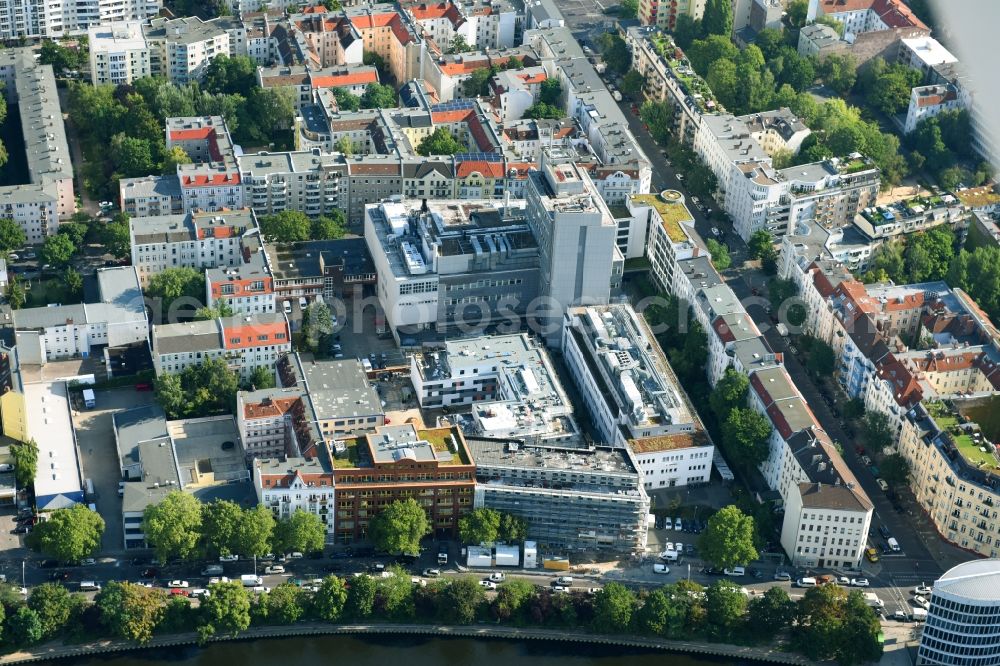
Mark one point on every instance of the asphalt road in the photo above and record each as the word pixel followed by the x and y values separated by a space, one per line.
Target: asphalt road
pixel 895 592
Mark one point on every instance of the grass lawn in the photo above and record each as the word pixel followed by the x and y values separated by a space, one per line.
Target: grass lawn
pixel 968 448
pixel 351 458
pixel 48 291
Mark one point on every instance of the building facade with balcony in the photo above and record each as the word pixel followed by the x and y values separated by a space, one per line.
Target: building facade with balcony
pixel 191 240
pixel 296 484
pixel 432 466
pixel 181 49
pixel 307 181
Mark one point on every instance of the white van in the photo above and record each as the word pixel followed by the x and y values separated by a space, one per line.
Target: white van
pixel 366 364
pixel 89 586
pixel 883 486
pixel 806 582
pixel 893 544
pixel 249 580
pixel 88 398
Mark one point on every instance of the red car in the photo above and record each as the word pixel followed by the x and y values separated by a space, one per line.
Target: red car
pixel 179 592
pixel 143 387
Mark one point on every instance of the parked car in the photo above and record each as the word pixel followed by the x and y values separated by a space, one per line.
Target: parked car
pixel 735 571
pixel 923 590
pixel 497 577
pixel 274 569
pixel 677 524
pixel 432 573
pixel 488 584
pixel 229 558
pixel 884 531
pixel 871 554
pixel 179 592
pixel 859 582
pixel 782 575
pixel 922 602
pixel 866 460
pixel 178 583
pixel 661 568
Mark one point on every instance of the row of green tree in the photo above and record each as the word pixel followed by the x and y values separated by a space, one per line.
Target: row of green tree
pixel 827 623
pixel 121 128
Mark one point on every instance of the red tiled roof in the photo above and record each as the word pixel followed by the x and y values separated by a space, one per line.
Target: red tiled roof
pixel 464 66
pixel 532 78
pixel 285 480
pixel 256 335
pixel 189 134
pixel 269 409
pixel 487 169
pixel 215 179
pixel 454 116
pixel 347 79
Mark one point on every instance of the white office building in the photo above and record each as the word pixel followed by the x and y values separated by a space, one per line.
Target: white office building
pixel 961 628
pixel 633 397
pixel 578 254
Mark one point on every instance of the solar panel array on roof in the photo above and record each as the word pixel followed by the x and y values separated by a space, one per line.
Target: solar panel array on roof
pixel 478 157
pixel 454 105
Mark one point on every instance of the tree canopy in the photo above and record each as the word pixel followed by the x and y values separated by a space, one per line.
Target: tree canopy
pixel 302 532
pixel 12 237
pixel 202 389
pixel 131 611
pixel 440 142
pixel 399 527
pixel 69 534
pixel 720 254
pixel 728 540
pixel 287 226
pixel 173 526
pixel 378 96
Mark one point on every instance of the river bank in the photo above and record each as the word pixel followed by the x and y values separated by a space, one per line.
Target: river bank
pixel 56 650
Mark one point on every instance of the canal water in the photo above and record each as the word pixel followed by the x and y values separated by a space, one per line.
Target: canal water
pixel 396 651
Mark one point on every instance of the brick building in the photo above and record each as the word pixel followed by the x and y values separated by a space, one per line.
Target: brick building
pixel 434 467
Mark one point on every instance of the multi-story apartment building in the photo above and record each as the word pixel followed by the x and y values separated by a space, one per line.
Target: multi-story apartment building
pixel 118 53
pixel 827 513
pixel 338 270
pixel 670 78
pixel 191 240
pixel 212 181
pixel 664 227
pixel 272 421
pixel 433 466
pixel 952 479
pixel 180 49
pixel 293 484
pixel 248 287
pixel 573 496
pixel 47 195
pixel 576 234
pixel 446 265
pixel 245 343
pixel 664 13
pixel 55 18
pixel 342 401
pixel 149 196
pixel 301 81
pixel 758 196
pixel 116 318
pixel 486 25
pixel 633 397
pixel 308 181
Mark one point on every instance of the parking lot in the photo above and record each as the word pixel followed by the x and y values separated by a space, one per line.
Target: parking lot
pixel 99 456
